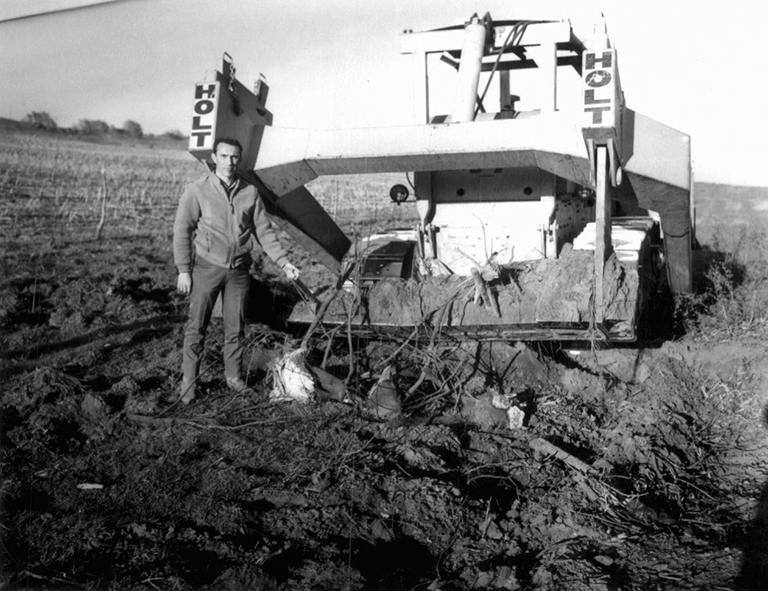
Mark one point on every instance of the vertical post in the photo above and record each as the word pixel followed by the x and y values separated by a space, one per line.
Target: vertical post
pixel 422 187
pixel 421 89
pixel 505 95
pixel 603 245
pixel 469 71
pixel 422 180
pixel 547 58
pixel 548 201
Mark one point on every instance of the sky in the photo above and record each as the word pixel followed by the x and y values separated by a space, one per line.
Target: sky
pixel 695 65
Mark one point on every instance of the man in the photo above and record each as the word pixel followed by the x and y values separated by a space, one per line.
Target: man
pixel 218 216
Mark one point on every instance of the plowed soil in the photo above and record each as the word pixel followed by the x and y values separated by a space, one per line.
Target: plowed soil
pixel 432 464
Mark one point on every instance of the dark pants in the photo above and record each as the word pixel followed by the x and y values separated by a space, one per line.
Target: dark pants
pixel 208 280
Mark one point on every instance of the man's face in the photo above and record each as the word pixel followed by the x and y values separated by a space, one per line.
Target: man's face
pixel 226 159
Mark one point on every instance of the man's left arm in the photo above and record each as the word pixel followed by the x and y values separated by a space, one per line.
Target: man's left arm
pixel 267 237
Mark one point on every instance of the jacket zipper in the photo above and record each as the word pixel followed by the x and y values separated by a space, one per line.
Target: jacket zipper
pixel 233 227
pixel 230 222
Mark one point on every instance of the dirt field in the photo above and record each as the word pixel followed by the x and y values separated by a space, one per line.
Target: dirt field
pixel 433 466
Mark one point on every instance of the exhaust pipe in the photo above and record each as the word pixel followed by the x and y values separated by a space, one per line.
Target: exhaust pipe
pixel 469 69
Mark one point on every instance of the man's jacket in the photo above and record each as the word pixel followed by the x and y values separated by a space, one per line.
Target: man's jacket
pixel 222 227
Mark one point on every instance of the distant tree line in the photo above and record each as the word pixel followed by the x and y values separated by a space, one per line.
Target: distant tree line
pixel 93 127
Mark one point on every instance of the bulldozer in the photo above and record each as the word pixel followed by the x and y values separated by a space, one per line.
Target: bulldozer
pixel 564 220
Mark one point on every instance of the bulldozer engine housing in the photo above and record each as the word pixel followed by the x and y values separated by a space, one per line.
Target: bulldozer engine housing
pixel 547 208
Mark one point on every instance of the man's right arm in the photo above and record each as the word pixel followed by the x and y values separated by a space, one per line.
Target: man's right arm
pixel 184 226
pixel 184 282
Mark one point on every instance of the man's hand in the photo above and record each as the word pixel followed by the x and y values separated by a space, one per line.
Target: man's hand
pixel 184 282
pixel 291 271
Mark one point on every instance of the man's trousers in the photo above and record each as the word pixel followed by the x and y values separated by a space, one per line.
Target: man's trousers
pixel 208 280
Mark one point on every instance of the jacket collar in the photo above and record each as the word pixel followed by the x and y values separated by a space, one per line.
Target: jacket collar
pixel 219 184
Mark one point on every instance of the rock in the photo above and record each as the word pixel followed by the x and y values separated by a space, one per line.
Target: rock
pixel 384 399
pixel 621 363
pixel 93 407
pixel 515 417
pixel 481 411
pixel 493 532
pixel 379 531
pixel 331 387
pixel 127 386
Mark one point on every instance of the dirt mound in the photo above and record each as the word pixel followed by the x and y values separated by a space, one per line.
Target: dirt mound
pixel 544 293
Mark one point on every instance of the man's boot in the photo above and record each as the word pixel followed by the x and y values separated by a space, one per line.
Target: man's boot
pixel 238 385
pixel 187 391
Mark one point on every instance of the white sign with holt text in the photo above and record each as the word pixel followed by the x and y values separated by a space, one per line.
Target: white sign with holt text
pixel 204 116
pixel 600 88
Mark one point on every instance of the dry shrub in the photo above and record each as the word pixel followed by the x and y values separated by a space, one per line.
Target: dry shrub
pixel 734 297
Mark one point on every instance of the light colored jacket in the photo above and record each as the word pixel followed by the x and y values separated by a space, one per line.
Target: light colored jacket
pixel 223 227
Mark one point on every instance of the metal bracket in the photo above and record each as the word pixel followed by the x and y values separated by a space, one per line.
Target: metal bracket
pixel 229 75
pixel 615 172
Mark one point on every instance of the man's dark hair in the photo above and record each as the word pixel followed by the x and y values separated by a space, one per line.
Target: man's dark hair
pixel 229 141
